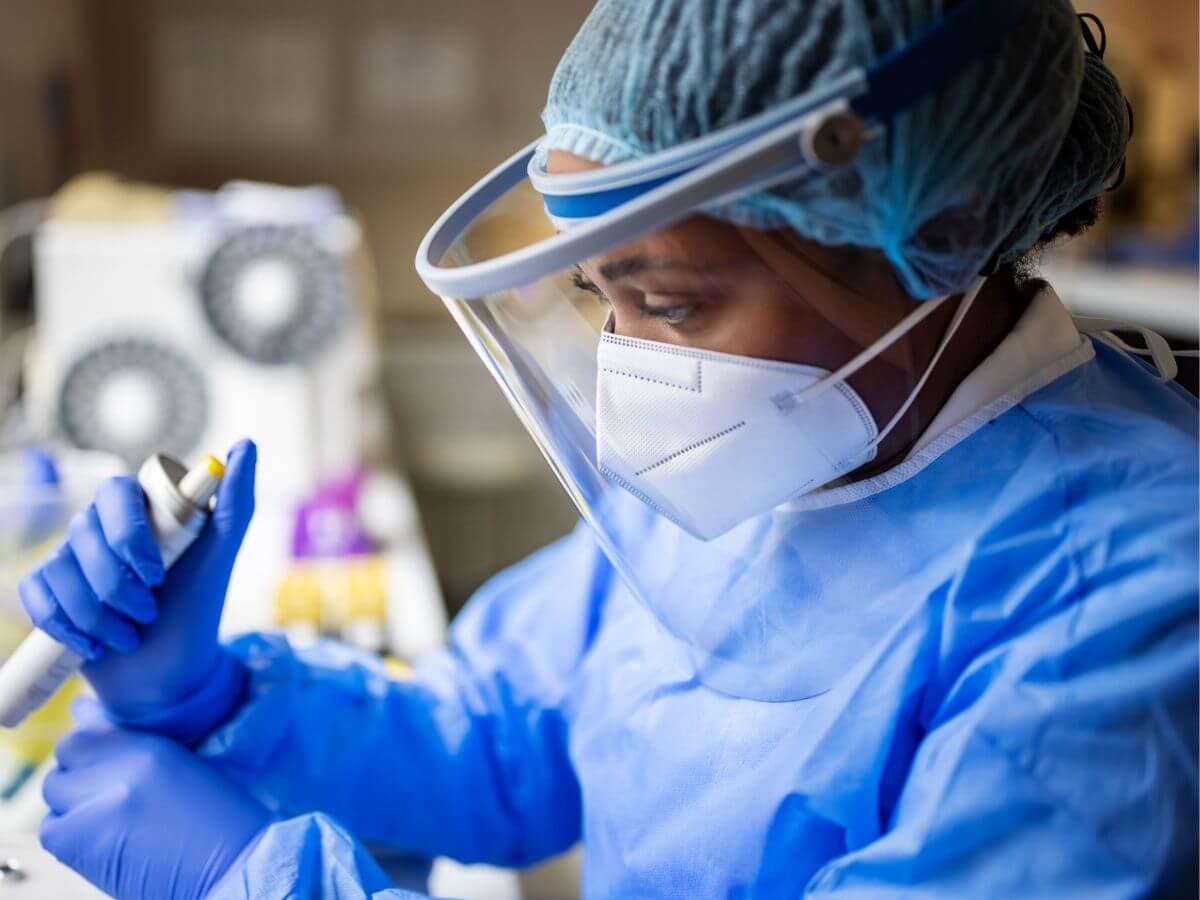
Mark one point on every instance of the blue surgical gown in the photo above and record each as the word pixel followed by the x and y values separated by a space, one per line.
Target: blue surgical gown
pixel 1022 725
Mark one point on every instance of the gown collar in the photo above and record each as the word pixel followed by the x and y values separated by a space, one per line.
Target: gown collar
pixel 1043 346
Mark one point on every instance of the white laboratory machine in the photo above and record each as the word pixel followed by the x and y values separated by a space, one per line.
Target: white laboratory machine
pixel 181 321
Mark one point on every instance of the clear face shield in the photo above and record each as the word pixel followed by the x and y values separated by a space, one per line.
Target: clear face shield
pixel 704 473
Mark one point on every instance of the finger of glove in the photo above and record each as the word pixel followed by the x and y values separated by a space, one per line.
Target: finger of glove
pixel 65 789
pixel 121 508
pixel 58 836
pixel 70 587
pixel 86 748
pixel 89 714
pixel 235 497
pixel 70 836
pixel 45 612
pixel 111 580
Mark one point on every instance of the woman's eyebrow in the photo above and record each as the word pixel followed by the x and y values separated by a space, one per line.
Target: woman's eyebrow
pixel 627 266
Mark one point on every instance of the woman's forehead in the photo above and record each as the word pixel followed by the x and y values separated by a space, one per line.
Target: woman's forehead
pixel 563 162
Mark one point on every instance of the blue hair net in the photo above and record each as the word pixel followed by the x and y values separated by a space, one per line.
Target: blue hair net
pixel 974 175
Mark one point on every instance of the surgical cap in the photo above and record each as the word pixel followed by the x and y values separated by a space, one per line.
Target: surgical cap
pixel 972 176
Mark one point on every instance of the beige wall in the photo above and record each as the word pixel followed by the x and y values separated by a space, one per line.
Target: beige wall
pixel 39 40
pixel 1153 50
pixel 401 105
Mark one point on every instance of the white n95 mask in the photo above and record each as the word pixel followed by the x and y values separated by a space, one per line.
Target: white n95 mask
pixel 709 439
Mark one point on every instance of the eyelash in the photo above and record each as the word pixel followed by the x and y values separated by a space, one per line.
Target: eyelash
pixel 584 283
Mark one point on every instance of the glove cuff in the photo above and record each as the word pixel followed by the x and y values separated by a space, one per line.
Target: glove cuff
pixel 190 721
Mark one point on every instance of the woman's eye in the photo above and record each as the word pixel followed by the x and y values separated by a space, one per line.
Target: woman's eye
pixel 671 310
pixel 674 314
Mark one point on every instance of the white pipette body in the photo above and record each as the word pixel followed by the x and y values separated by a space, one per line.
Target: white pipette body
pixel 177 500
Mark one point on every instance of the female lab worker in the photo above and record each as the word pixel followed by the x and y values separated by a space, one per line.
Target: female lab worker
pixel 887 579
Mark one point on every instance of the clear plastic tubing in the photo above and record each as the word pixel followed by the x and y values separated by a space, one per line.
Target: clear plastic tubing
pixel 178 501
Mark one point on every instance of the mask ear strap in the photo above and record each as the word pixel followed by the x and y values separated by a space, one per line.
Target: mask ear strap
pixel 889 337
pixel 964 306
pixel 1157 347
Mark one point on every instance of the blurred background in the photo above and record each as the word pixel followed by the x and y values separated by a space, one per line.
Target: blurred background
pixel 210 211
pixel 397 106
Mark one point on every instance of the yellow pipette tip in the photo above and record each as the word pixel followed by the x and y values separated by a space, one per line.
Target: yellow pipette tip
pixel 215 467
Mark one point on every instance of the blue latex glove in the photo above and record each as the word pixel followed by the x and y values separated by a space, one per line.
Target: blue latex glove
pixel 149 642
pixel 140 816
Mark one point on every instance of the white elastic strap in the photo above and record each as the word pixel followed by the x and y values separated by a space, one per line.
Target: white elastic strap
pixel 889 337
pixel 964 306
pixel 1157 347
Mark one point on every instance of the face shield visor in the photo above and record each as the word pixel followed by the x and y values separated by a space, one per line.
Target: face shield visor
pixel 696 468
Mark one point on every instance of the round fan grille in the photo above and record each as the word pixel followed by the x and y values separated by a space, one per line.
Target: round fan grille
pixel 133 398
pixel 274 294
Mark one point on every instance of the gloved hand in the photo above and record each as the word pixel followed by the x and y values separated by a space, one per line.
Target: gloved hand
pixel 149 642
pixel 140 816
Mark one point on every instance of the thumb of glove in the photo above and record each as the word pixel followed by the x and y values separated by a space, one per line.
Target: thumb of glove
pixel 234 505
